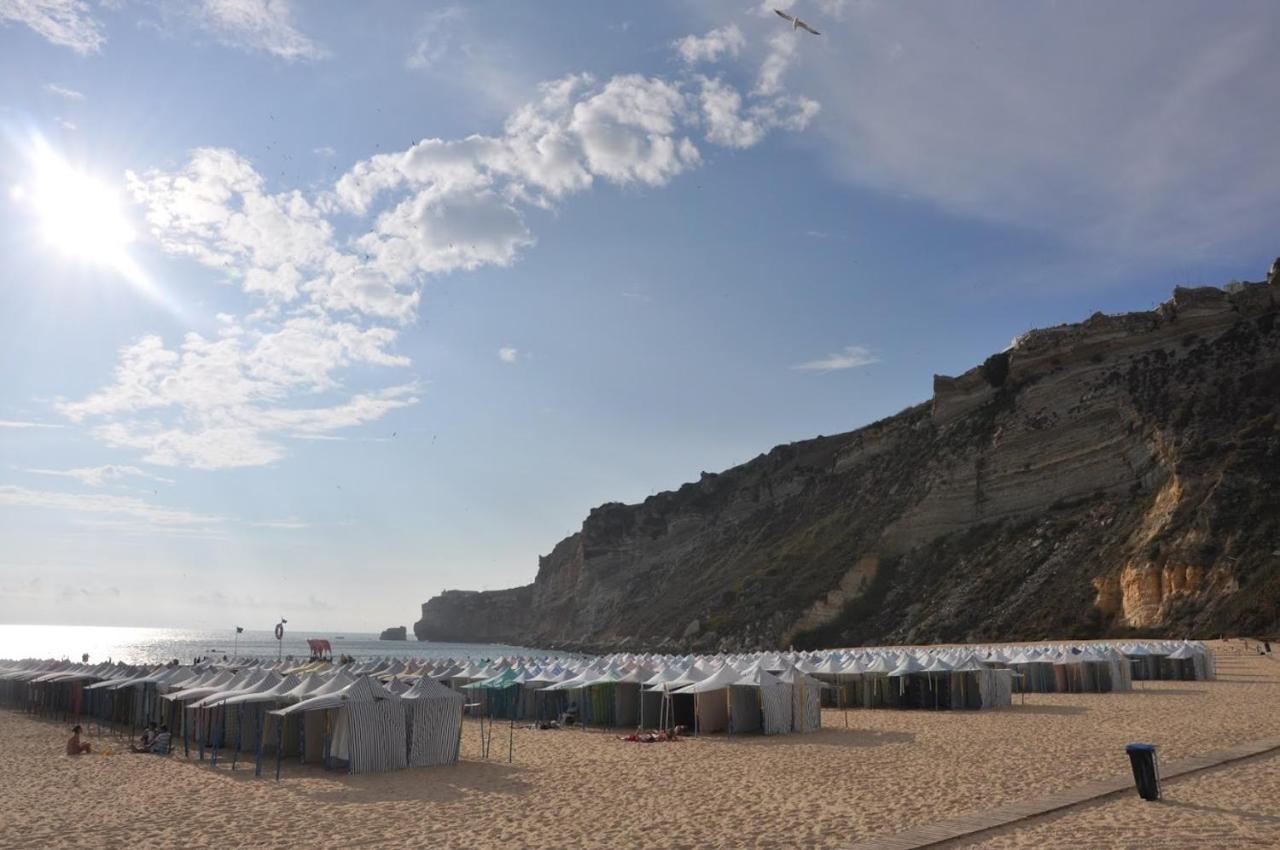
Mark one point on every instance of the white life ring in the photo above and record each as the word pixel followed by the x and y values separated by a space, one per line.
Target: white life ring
pixel 279 631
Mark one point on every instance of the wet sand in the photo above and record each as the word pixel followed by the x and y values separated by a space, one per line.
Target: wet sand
pixel 885 772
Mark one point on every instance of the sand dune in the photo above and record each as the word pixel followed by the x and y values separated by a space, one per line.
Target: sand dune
pixel 887 771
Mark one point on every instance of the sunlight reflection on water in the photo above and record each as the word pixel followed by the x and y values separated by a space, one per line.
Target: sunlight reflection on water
pixel 156 646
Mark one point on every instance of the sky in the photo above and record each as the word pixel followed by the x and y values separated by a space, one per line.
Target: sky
pixel 316 310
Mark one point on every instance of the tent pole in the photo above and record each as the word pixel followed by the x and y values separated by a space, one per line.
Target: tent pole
pixel 279 744
pixel 326 739
pixel 488 741
pixel 257 763
pixel 235 757
pixel 217 735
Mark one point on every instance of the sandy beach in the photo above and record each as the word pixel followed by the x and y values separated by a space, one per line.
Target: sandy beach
pixel 887 771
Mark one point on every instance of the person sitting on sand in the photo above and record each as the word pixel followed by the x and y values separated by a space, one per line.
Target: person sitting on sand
pixel 160 746
pixel 74 745
pixel 148 738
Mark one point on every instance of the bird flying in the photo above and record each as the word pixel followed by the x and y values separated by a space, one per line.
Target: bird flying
pixel 796 23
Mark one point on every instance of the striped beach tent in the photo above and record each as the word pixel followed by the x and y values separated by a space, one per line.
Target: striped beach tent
pixel 433 720
pixel 368 732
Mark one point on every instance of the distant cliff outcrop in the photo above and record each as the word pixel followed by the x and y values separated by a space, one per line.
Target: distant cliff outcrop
pixel 1118 475
pixel 394 633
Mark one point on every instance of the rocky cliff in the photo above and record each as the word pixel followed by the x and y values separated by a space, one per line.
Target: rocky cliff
pixel 394 633
pixel 1117 475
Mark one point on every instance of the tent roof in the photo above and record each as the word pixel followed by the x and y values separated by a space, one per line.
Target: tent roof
pixel 363 689
pixel 429 689
pixel 722 678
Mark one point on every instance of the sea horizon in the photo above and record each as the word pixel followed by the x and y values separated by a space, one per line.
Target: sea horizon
pixel 158 645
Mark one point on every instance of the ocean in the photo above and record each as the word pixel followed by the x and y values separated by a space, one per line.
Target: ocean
pixel 158 646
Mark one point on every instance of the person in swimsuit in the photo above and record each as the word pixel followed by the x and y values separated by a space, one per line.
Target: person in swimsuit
pixel 74 745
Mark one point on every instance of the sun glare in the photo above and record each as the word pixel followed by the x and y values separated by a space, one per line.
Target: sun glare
pixel 79 216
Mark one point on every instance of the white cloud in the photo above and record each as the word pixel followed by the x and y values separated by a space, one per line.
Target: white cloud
pixel 782 50
pixel 222 403
pixel 96 476
pixel 438 231
pixel 19 424
pixel 507 354
pixel 290 524
pixel 126 507
pixel 66 124
pixel 67 23
pixel 721 108
pixel 265 25
pixel 628 131
pixel 63 91
pixel 727 125
pixel 433 39
pixel 850 357
pixel 439 206
pixel 325 151
pixel 722 41
pixel 216 210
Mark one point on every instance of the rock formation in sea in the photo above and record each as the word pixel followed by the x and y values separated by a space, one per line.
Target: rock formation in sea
pixel 1116 476
pixel 394 633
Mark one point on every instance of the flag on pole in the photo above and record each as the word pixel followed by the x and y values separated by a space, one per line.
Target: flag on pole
pixel 239 629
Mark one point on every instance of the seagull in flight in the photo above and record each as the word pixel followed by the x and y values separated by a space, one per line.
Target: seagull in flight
pixel 796 23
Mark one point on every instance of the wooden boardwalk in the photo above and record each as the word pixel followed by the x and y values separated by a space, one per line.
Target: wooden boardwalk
pixel 968 825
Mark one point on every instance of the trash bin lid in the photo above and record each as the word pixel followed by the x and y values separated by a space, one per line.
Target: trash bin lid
pixel 1139 748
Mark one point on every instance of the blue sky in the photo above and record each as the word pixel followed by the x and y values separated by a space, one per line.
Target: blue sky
pixel 318 309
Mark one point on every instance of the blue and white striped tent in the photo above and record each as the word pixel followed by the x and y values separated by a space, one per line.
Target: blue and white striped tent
pixel 433 721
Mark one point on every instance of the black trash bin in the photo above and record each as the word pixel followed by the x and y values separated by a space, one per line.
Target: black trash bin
pixel 1146 770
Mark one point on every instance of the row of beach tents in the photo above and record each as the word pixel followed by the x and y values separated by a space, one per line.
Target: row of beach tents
pixel 337 715
pixel 384 714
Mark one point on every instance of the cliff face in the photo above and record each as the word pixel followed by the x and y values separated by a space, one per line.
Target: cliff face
pixel 1118 474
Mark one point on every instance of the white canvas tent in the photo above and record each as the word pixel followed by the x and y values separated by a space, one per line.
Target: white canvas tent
pixel 367 728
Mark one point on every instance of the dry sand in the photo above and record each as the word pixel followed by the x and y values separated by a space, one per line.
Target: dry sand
pixel 889 770
pixel 1234 806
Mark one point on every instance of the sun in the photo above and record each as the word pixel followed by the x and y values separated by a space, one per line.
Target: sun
pixel 79 217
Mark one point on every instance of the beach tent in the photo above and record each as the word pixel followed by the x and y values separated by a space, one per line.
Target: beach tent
pixel 1034 672
pixel 1142 664
pixel 806 699
pixel 498 695
pixel 760 702
pixel 711 699
pixel 366 725
pixel 433 720
pixel 1183 663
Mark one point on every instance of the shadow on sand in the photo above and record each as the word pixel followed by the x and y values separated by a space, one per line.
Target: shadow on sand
pixel 1046 708
pixel 825 737
pixel 1258 817
pixel 1171 692
pixel 439 784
